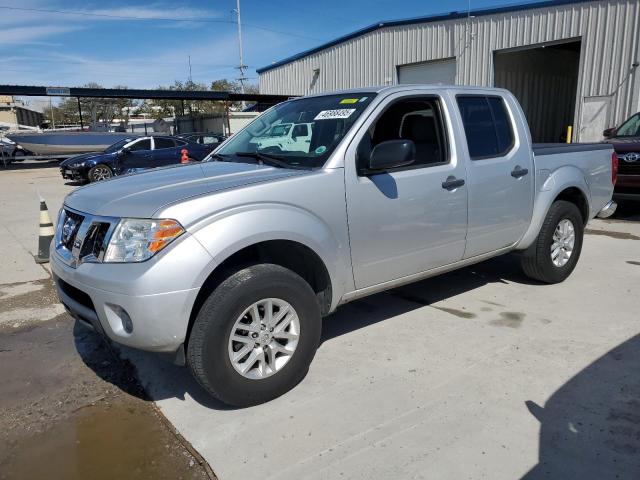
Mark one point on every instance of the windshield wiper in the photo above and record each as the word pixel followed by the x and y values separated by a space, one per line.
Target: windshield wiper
pixel 271 160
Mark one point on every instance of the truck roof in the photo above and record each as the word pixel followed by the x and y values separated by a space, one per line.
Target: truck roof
pixel 404 88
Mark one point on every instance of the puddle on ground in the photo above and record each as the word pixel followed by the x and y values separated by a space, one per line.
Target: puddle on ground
pixel 102 442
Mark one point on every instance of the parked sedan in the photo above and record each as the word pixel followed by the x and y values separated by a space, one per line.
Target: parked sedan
pixel 626 142
pixel 131 155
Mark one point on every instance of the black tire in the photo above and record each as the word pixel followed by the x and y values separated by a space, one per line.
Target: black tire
pixel 536 260
pixel 207 349
pixel 99 173
pixel 18 156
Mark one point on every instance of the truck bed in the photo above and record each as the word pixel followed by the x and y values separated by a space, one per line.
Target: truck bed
pixel 593 159
pixel 553 148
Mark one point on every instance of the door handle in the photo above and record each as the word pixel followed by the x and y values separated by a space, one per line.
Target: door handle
pixel 451 183
pixel 519 172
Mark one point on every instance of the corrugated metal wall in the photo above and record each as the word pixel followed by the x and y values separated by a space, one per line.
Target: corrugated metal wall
pixel 609 31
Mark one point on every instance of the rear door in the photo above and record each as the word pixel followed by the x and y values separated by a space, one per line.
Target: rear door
pixel 500 171
pixel 165 151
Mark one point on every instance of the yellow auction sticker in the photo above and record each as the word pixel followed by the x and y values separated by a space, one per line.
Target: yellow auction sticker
pixel 349 100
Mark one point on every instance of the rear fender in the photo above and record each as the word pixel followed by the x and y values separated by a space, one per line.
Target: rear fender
pixel 230 231
pixel 548 187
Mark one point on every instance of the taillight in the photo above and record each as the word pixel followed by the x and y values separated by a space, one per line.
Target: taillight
pixel 614 168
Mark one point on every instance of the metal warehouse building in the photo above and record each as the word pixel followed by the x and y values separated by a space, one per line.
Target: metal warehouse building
pixel 570 63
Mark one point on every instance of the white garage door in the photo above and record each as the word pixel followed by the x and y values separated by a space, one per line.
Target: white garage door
pixel 436 71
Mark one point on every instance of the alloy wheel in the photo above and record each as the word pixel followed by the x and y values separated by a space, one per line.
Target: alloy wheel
pixel 564 239
pixel 264 338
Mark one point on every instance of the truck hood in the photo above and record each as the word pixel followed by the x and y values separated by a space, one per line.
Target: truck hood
pixel 142 194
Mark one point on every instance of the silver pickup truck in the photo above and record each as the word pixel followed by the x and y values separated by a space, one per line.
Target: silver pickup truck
pixel 230 265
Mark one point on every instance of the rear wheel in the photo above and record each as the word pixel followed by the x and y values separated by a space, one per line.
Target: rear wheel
pixel 99 173
pixel 255 335
pixel 555 253
pixel 18 156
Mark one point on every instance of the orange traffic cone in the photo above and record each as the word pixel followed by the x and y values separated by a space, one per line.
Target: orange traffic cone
pixel 185 156
pixel 46 234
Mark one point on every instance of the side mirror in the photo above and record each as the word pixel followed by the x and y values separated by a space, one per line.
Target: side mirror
pixel 609 132
pixel 125 151
pixel 391 154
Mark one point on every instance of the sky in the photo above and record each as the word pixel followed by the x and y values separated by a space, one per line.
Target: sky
pixel 148 44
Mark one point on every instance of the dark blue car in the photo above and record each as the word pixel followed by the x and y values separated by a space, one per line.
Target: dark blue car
pixel 131 155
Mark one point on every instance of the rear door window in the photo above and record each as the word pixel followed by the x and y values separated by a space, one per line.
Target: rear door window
pixel 163 143
pixel 487 126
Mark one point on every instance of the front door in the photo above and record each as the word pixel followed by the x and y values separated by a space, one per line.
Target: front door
pixel 411 219
pixel 500 173
pixel 137 156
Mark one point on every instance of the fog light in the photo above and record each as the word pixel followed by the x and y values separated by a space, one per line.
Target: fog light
pixel 127 324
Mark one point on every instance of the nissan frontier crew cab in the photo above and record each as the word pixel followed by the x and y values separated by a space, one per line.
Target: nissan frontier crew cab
pixel 229 265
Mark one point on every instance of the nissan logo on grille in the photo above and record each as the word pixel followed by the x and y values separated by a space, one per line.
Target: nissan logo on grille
pixel 631 157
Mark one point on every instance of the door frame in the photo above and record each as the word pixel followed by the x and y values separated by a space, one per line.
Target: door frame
pixel 455 156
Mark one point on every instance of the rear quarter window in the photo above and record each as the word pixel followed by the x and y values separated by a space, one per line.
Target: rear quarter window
pixel 487 126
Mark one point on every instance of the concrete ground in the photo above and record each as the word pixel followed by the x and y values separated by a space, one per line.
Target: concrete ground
pixel 70 405
pixel 479 373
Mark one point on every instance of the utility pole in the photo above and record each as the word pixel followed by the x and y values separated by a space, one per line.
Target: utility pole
pixel 242 67
pixel 190 77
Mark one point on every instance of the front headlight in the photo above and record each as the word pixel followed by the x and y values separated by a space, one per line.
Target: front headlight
pixel 137 240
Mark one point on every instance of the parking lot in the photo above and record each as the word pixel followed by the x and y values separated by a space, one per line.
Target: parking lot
pixel 479 373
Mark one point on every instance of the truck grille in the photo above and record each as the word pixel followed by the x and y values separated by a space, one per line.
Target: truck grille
pixel 629 168
pixel 82 238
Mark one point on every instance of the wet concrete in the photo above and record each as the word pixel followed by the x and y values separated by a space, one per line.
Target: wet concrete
pixel 618 235
pixel 106 440
pixel 71 407
pixel 509 319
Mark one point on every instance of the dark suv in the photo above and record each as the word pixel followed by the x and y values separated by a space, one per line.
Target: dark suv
pixel 626 142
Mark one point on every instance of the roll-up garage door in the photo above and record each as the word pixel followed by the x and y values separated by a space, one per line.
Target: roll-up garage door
pixel 435 71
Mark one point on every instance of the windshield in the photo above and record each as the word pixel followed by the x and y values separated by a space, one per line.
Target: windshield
pixel 316 126
pixel 117 146
pixel 630 128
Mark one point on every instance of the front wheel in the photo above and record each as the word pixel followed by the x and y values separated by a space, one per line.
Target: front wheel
pixel 556 250
pixel 100 173
pixel 255 335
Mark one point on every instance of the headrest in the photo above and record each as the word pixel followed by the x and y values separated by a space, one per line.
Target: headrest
pixel 419 128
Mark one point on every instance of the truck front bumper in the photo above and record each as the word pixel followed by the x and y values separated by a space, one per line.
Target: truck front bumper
pixel 156 322
pixel 627 187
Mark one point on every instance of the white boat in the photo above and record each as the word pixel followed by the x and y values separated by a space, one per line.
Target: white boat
pixel 65 143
